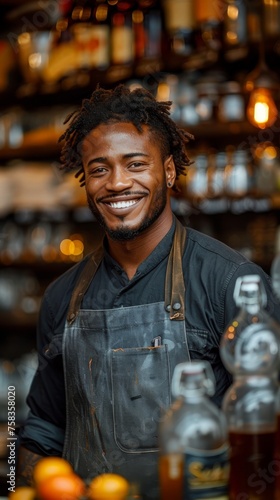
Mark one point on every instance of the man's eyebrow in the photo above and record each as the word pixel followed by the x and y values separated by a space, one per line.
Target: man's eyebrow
pixel 101 159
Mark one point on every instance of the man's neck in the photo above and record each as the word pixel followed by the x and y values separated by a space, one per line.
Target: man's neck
pixel 130 254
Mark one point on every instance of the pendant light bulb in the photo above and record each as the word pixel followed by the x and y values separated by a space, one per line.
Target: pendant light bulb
pixel 261 111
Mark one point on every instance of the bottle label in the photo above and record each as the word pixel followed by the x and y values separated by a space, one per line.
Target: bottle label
pixel 206 474
pixel 122 45
pixel 92 43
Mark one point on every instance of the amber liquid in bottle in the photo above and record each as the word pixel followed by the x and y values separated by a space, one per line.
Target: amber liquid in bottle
pixel 252 453
pixel 171 468
pixel 277 459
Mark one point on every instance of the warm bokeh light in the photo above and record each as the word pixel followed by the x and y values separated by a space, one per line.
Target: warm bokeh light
pixel 261 111
pixel 72 247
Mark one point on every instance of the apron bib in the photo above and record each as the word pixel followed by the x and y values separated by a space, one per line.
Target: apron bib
pixel 118 366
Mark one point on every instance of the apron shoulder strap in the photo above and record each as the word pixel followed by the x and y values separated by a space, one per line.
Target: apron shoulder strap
pixel 174 279
pixel 85 279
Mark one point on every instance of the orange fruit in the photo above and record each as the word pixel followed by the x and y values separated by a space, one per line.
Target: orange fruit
pixel 50 466
pixel 64 486
pixel 23 493
pixel 108 486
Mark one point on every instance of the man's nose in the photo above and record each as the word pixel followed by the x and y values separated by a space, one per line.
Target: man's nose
pixel 119 180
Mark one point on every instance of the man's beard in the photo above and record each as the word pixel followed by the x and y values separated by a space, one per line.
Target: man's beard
pixel 122 233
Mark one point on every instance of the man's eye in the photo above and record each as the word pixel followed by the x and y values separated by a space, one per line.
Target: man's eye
pixel 97 170
pixel 136 164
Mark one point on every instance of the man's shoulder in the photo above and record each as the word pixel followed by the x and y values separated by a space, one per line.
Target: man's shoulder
pixel 213 248
pixel 64 284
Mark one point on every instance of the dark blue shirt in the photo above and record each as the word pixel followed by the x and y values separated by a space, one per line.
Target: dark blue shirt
pixel 210 272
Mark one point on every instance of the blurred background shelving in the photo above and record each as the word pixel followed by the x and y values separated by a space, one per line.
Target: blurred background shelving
pixel 208 58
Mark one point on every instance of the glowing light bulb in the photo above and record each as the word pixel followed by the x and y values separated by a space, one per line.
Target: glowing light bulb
pixel 261 111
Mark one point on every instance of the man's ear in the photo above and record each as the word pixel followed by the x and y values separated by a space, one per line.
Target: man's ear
pixel 170 171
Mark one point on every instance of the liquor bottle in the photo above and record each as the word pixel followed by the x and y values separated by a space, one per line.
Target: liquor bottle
pixel 122 38
pixel 180 26
pixel 235 30
pixel 250 350
pixel 91 32
pixel 147 29
pixel 209 17
pixel 193 461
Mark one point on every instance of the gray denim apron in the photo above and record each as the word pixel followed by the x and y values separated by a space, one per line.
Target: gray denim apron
pixel 118 365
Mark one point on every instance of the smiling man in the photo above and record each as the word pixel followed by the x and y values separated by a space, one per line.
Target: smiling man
pixel 112 329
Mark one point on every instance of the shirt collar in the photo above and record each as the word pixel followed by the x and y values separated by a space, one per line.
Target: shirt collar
pixel 160 252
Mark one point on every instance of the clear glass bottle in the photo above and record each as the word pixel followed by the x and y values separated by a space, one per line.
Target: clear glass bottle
pixel 275 267
pixel 250 351
pixel 237 174
pixel 193 458
pixel 250 344
pixel 197 178
pixel 216 175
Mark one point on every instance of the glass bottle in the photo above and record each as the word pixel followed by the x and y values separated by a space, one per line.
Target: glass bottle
pixel 180 26
pixel 193 438
pixel 147 27
pixel 235 30
pixel 197 178
pixel 250 343
pixel 89 28
pixel 250 350
pixel 275 278
pixel 237 178
pixel 209 17
pixel 266 171
pixel 216 175
pixel 275 267
pixel 231 106
pixel 122 36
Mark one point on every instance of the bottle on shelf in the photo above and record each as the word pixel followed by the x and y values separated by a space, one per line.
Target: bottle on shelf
pixel 92 34
pixel 180 26
pixel 197 178
pixel 216 173
pixel 148 36
pixel 209 18
pixel 275 267
pixel 81 43
pixel 235 30
pixel 193 459
pixel 250 350
pixel 238 174
pixel 122 46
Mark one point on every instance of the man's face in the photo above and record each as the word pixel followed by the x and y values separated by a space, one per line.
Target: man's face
pixel 125 179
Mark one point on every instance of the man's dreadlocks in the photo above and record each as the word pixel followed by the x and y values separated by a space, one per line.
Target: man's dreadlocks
pixel 123 105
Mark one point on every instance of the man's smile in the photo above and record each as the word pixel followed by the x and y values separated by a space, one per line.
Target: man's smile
pixel 122 204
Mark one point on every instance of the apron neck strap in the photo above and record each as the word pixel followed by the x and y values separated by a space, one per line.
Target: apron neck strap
pixel 174 279
pixel 83 283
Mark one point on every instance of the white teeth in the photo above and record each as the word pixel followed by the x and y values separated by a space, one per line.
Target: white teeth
pixel 122 204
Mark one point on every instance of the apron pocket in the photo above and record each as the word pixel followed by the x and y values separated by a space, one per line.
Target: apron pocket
pixel 140 394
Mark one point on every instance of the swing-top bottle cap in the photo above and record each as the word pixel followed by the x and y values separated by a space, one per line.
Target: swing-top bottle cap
pixel 249 290
pixel 193 377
